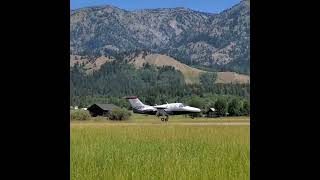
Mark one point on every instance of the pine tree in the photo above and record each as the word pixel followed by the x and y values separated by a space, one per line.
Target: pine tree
pixel 221 107
pixel 234 107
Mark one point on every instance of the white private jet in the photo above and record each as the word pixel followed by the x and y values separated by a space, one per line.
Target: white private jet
pixel 160 110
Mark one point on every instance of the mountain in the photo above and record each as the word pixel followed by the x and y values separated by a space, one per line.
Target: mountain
pixel 219 41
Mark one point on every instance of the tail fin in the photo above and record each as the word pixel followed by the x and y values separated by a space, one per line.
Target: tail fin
pixel 135 102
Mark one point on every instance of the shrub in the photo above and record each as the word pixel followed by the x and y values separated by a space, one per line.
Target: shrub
pixel 79 115
pixel 221 107
pixel 197 102
pixel 234 107
pixel 245 108
pixel 119 114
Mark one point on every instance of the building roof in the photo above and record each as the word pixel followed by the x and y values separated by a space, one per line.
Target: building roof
pixel 106 107
pixel 211 109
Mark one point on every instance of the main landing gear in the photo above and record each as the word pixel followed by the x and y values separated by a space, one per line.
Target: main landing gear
pixel 162 113
pixel 165 119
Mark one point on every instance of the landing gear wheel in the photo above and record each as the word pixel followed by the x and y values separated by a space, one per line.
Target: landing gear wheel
pixel 167 118
pixel 162 119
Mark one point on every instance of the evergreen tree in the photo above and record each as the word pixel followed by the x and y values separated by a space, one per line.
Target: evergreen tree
pixel 153 84
pixel 221 107
pixel 234 107
pixel 196 102
pixel 246 108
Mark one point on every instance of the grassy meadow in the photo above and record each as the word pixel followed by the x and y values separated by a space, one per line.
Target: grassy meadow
pixel 108 151
pixel 141 118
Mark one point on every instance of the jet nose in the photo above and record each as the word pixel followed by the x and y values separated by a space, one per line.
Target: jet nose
pixel 197 110
pixel 193 109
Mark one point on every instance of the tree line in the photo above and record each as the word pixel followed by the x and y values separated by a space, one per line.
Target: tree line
pixel 223 105
pixel 153 85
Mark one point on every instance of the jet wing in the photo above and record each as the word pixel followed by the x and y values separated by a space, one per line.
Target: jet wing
pixel 164 106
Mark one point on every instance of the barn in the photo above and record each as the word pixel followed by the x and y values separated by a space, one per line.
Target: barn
pixel 101 109
pixel 211 113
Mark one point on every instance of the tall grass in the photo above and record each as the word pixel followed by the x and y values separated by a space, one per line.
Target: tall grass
pixel 187 118
pixel 159 152
pixel 79 115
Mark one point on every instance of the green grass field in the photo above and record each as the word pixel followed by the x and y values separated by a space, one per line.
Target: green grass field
pixel 140 118
pixel 104 151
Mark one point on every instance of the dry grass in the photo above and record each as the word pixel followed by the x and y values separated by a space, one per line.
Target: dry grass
pixel 190 74
pixel 232 77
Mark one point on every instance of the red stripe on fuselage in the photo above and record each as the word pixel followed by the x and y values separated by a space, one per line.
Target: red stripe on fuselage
pixel 131 97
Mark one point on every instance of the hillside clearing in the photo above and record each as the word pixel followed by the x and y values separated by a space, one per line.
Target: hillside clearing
pixel 190 74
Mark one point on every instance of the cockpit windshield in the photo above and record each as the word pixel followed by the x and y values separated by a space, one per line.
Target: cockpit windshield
pixel 181 105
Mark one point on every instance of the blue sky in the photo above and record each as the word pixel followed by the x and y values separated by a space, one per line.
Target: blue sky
pixel 212 6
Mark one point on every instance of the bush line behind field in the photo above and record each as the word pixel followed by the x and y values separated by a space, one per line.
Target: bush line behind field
pixel 234 106
pixel 116 114
pixel 140 118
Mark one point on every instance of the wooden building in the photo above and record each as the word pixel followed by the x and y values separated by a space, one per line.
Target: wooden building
pixel 211 113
